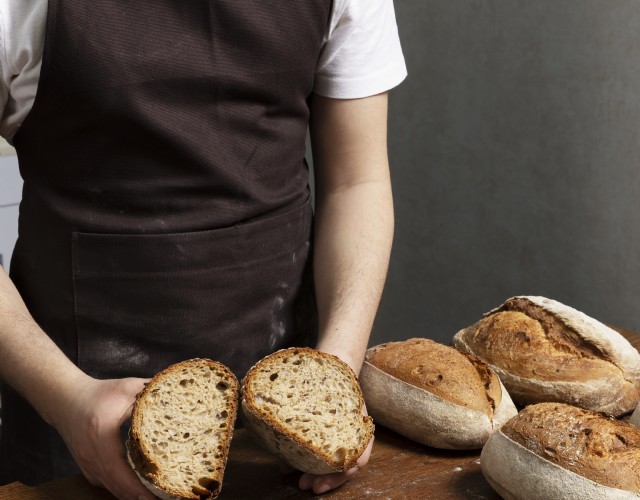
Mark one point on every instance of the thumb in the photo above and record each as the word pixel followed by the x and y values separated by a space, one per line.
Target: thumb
pixel 132 387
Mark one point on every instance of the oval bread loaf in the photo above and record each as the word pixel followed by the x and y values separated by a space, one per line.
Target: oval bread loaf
pixel 181 428
pixel 543 350
pixel 558 451
pixel 306 407
pixel 434 394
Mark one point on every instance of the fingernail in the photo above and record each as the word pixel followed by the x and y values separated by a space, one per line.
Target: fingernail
pixel 323 488
pixel 306 482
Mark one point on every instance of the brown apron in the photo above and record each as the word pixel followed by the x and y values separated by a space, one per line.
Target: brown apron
pixel 165 210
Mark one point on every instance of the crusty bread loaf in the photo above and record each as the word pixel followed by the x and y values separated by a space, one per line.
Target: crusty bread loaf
pixel 554 451
pixel 543 350
pixel 306 407
pixel 434 394
pixel 181 428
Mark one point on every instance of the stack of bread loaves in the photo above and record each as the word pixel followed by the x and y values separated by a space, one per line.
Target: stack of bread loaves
pixel 576 375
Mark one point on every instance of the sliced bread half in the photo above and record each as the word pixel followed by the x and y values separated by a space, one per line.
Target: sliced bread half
pixel 306 407
pixel 181 428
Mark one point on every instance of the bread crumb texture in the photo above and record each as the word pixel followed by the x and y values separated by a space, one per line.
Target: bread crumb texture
pixel 590 444
pixel 311 398
pixel 463 379
pixel 181 429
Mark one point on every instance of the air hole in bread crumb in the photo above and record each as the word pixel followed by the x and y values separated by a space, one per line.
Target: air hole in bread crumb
pixel 208 483
pixel 340 454
pixel 185 435
pixel 273 376
pixel 222 386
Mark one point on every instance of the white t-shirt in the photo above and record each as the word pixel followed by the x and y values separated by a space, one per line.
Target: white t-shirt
pixel 361 55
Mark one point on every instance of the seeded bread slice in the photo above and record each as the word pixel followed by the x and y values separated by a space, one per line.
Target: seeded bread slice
pixel 181 428
pixel 306 407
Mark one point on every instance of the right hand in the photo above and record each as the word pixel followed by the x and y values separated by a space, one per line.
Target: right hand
pixel 90 426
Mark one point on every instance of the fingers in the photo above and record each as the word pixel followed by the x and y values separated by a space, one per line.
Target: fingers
pixel 93 435
pixel 133 387
pixel 325 482
pixel 119 476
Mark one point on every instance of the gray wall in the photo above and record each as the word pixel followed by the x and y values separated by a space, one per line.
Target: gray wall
pixel 515 151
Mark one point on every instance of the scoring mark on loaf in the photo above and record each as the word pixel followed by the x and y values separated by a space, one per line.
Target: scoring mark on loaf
pixel 563 337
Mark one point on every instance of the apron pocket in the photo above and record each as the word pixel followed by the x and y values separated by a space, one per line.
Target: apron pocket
pixel 143 302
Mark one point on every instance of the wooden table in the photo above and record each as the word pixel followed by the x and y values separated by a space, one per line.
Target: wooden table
pixel 398 469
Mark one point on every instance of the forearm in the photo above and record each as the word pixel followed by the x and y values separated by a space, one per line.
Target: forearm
pixel 354 220
pixel 29 360
pixel 354 232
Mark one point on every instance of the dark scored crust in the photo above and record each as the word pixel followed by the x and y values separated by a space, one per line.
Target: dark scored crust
pixel 455 376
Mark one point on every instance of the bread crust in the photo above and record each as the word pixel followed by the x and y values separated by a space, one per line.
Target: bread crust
pixel 285 443
pixel 141 457
pixel 466 405
pixel 519 474
pixel 553 450
pixel 543 350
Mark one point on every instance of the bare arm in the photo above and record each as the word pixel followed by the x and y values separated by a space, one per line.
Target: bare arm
pixel 354 220
pixel 353 233
pixel 86 412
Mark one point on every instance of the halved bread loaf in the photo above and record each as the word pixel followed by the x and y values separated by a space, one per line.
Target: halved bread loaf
pixel 181 428
pixel 434 394
pixel 543 350
pixel 558 451
pixel 306 407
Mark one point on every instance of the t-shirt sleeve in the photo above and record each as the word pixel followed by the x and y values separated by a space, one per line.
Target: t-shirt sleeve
pixel 4 88
pixel 23 31
pixel 362 55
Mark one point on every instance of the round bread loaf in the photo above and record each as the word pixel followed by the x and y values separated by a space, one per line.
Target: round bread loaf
pixel 557 451
pixel 545 351
pixel 181 429
pixel 306 407
pixel 434 394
